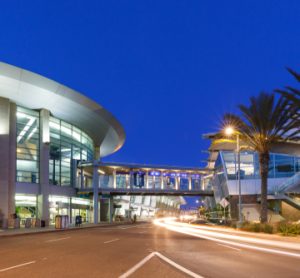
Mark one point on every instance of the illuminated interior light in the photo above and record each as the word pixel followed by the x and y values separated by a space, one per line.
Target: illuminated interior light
pixel 101 172
pixel 31 133
pixel 26 128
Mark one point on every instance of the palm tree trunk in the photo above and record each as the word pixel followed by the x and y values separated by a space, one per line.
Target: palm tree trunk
pixel 264 159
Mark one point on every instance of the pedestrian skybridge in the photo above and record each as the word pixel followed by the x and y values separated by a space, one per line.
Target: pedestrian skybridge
pixel 140 179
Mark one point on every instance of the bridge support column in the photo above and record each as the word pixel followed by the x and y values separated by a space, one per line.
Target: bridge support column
pixel 114 179
pixel 161 181
pixel 190 183
pixel 147 180
pixel 177 183
pixel 110 209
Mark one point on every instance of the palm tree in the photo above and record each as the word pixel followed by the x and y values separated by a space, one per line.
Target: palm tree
pixel 292 94
pixel 266 121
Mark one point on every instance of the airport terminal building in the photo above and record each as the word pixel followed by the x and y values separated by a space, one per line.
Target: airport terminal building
pixel 283 179
pixel 47 133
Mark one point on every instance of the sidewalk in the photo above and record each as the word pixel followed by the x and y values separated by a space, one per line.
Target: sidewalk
pixel 51 229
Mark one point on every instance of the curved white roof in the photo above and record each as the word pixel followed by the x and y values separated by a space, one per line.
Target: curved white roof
pixel 36 92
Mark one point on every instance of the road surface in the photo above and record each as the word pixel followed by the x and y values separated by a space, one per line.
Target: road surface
pixel 146 250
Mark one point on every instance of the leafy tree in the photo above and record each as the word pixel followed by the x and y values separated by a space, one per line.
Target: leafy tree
pixel 267 120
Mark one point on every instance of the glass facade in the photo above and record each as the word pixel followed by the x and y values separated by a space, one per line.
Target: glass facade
pixel 68 145
pixel 28 145
pixel 62 205
pixel 280 165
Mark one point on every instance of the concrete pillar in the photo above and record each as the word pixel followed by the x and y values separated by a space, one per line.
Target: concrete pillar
pixel 70 210
pixel 97 153
pixel 161 181
pixel 13 157
pixel 190 182
pixel 147 180
pixel 96 192
pixel 43 197
pixel 131 180
pixel 82 178
pixel 127 181
pixel 114 179
pixel 8 160
pixel 111 209
pixel 176 183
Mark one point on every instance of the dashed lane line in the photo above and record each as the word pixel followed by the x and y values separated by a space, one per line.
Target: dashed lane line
pixel 16 266
pixel 58 239
pixel 109 241
pixel 128 227
pixel 236 249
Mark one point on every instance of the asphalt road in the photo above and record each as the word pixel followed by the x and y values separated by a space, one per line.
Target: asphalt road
pixel 115 251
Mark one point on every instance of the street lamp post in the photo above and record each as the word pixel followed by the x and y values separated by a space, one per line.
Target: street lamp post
pixel 239 179
pixel 229 131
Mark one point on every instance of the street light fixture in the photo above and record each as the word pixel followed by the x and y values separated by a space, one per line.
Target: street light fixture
pixel 229 130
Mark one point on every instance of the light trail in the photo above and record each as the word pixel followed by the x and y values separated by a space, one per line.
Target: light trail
pixel 233 240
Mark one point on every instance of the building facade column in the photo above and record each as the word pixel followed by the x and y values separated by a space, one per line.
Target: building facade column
pixel 96 184
pixel 43 197
pixel 7 161
pixel 96 192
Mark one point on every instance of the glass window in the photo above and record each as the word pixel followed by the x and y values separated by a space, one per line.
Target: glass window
pixel 284 165
pixel 71 144
pixel 28 145
pixel 247 165
pixel 297 164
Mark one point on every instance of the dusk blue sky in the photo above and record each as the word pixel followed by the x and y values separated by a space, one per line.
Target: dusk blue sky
pixel 167 70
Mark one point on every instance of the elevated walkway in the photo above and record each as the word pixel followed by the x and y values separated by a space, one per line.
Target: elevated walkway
pixel 148 192
pixel 140 179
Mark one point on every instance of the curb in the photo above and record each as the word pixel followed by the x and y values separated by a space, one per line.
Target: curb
pixel 30 233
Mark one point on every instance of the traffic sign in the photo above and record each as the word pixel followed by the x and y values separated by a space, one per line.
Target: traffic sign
pixel 224 203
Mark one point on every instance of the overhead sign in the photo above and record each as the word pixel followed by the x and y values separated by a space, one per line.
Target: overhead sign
pixel 224 203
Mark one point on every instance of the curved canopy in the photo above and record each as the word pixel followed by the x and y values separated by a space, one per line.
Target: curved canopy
pixel 36 92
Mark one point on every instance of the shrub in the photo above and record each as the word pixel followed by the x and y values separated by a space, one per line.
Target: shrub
pixel 268 229
pixel 257 228
pixel 287 229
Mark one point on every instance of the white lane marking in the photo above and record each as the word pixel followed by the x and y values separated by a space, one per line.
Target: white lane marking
pixel 137 266
pixel 113 240
pixel 229 247
pixel 128 227
pixel 181 268
pixel 190 232
pixel 58 239
pixel 150 256
pixel 16 266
